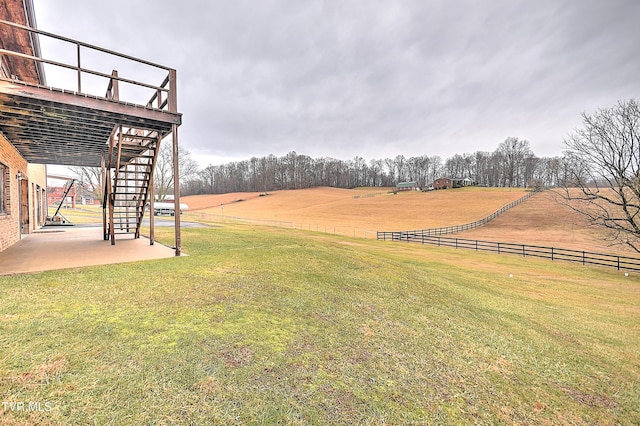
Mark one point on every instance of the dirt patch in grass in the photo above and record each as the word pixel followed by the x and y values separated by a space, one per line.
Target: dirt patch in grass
pixel 47 372
pixel 238 356
pixel 590 399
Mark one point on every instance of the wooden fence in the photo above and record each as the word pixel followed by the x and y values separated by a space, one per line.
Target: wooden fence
pixel 433 236
pixel 583 257
pixel 468 226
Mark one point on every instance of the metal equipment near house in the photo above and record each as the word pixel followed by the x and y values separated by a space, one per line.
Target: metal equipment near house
pixel 58 218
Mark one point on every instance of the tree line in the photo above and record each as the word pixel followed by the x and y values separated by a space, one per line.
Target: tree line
pixel 598 174
pixel 512 164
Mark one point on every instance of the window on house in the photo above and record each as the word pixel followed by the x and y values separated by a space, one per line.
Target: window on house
pixel 4 188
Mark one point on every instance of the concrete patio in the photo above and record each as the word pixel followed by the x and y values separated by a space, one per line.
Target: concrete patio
pixel 72 246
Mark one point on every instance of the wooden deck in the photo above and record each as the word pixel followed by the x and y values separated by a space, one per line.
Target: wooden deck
pixel 118 129
pixel 49 126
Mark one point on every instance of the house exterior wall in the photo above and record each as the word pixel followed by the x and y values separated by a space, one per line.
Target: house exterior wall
pixel 35 176
pixel 442 183
pixel 23 199
pixel 13 163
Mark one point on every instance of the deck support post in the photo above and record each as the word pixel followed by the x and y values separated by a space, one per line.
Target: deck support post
pixel 152 197
pixel 172 104
pixel 103 184
pixel 176 189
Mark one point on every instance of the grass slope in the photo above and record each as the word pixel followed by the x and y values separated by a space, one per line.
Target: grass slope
pixel 371 209
pixel 264 326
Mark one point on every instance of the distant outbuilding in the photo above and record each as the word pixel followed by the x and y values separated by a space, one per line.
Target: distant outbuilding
pixel 407 186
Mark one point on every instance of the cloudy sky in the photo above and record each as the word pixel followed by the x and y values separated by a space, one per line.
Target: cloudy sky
pixel 341 78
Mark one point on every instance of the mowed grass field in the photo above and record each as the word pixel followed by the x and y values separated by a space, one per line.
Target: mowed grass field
pixel 541 220
pixel 367 208
pixel 265 325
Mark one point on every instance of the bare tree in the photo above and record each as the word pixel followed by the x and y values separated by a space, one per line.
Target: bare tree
pixel 603 161
pixel 90 178
pixel 163 174
pixel 208 175
pixel 511 155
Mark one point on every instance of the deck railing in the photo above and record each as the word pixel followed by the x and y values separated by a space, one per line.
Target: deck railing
pixel 161 97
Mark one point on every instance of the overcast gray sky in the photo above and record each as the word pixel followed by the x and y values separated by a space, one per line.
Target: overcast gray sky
pixel 371 78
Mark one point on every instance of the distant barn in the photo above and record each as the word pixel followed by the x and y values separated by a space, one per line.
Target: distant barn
pixel 407 186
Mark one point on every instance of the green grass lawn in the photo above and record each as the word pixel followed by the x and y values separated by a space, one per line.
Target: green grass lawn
pixel 267 326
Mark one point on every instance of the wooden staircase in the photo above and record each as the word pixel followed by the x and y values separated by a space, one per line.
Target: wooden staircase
pixel 131 161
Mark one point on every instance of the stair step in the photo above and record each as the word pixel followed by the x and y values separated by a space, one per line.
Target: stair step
pixel 144 156
pixel 128 145
pixel 124 141
pixel 131 179
pixel 141 168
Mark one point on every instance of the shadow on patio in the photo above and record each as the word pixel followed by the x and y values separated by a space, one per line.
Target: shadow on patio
pixel 71 247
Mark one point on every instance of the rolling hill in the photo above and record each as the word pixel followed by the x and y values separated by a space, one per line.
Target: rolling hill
pixel 541 220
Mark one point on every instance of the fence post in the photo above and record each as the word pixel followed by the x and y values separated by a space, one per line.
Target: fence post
pixel 583 258
pixel 551 253
pixel 523 252
pixel 498 248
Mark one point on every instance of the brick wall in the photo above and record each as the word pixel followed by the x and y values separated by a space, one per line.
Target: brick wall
pixel 9 221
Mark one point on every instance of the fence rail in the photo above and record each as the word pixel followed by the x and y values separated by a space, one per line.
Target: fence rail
pixel 432 236
pixel 553 253
pixel 468 226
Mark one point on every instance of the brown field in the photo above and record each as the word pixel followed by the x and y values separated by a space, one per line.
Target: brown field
pixel 360 212
pixel 541 220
